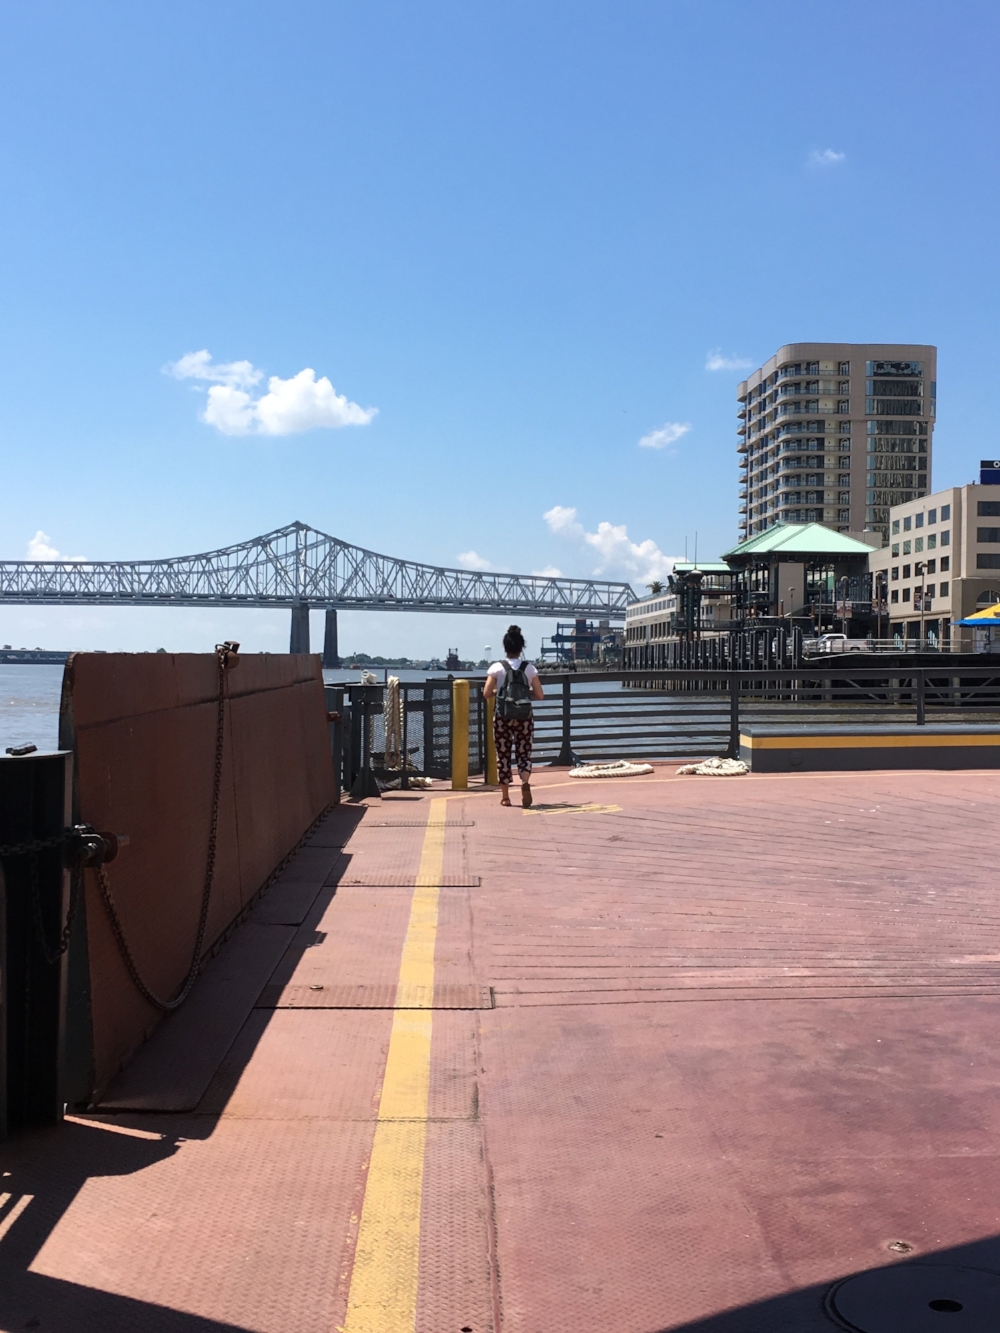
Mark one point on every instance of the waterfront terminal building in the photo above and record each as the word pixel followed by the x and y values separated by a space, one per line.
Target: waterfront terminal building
pixel 835 433
pixel 942 563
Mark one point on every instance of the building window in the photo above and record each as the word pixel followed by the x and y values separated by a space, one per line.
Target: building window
pixel 906 594
pixel 931 516
pixel 906 571
pixel 845 478
pixel 894 595
pixel 987 560
pixel 845 368
pixel 944 590
pixel 907 547
pixel 928 590
pixel 920 520
pixel 895 526
pixel 895 548
pixel 946 539
pixel 918 545
pixel 945 513
pixel 907 521
pixel 988 509
pixel 931 541
pixel 931 566
pixel 843 406
pixel 945 564
pixel 988 534
pixel 895 573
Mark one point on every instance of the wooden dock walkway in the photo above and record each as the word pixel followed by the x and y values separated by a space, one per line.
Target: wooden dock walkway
pixel 660 1053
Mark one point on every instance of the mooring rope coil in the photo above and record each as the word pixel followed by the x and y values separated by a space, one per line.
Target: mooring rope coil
pixel 615 768
pixel 716 768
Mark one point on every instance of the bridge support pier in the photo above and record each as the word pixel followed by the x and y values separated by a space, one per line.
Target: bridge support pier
pixel 299 642
pixel 331 656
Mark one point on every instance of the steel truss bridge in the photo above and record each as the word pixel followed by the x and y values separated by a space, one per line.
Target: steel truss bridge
pixel 303 569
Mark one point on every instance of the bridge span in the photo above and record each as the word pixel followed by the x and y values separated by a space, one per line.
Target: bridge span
pixel 301 568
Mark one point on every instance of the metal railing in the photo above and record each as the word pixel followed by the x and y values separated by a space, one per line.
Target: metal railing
pixel 675 714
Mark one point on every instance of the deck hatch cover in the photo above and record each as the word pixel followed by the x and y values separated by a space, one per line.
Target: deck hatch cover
pixel 919 1298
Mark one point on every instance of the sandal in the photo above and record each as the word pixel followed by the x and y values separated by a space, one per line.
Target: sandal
pixel 505 800
pixel 525 795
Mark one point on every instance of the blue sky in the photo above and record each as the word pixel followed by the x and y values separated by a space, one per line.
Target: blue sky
pixel 518 232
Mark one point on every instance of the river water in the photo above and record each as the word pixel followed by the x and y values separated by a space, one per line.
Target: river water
pixel 29 700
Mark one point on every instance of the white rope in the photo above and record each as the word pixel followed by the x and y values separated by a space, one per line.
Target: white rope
pixel 716 768
pixel 617 768
pixel 393 712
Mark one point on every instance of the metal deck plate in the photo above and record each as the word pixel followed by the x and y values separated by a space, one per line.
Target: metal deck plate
pixel 919 1298
pixel 420 823
pixel 317 996
pixel 389 881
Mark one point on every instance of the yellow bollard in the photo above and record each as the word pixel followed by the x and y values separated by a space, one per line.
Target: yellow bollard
pixel 459 735
pixel 491 746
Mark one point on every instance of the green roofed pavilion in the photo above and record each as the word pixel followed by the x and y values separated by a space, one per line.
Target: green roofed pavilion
pixel 802 572
pixel 798 543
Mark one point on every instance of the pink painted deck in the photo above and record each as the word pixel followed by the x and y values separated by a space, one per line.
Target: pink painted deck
pixel 743 1045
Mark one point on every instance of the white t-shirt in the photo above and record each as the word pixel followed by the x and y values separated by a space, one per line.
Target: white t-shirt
pixel 496 670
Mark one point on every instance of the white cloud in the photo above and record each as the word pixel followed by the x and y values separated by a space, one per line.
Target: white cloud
pixel 472 560
pixel 549 572
pixel 669 433
pixel 198 366
pixel 41 548
pixel 828 157
pixel 289 407
pixel 716 361
pixel 617 553
pixel 563 521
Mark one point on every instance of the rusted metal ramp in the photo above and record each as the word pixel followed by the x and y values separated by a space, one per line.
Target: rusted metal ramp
pixel 664 1053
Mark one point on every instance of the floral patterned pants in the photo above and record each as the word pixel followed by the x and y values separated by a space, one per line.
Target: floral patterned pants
pixel 508 732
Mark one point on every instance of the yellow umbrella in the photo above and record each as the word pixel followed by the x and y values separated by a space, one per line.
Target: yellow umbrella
pixel 985 618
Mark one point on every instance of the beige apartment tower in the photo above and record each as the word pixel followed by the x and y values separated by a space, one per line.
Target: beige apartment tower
pixel 836 433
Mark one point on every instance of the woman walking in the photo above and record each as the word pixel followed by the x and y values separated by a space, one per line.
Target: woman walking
pixel 513 683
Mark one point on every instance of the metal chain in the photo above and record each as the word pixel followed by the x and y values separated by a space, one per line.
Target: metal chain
pixel 76 885
pixel 39 844
pixel 224 652
pixel 32 849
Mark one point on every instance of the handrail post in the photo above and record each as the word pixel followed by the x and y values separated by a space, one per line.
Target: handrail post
pixel 335 728
pixel 566 756
pixel 459 735
pixel 921 698
pixel 733 749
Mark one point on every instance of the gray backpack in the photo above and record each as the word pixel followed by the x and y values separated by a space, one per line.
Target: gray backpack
pixel 514 695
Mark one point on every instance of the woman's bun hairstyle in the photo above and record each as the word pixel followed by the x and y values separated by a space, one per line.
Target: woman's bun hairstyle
pixel 513 641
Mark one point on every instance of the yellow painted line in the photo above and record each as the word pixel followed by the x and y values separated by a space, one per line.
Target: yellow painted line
pixel 383 1291
pixel 854 742
pixel 588 809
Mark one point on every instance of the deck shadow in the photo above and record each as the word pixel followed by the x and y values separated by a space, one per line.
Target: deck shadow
pixel 43 1173
pixel 805 1310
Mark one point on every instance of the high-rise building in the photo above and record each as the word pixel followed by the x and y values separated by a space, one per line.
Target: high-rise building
pixel 836 433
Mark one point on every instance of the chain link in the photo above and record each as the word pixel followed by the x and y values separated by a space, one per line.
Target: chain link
pixel 223 652
pixel 39 844
pixel 71 837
